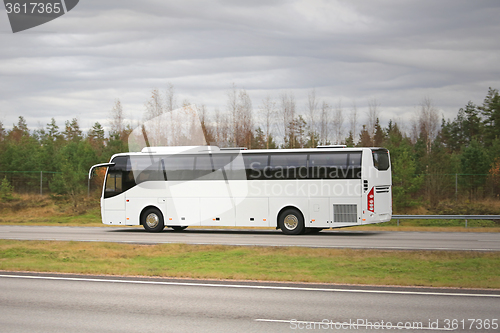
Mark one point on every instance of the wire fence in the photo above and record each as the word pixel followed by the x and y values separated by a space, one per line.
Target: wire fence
pixel 433 186
pixel 437 187
pixel 29 181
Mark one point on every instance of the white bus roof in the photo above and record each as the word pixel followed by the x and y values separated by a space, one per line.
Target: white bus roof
pixel 215 149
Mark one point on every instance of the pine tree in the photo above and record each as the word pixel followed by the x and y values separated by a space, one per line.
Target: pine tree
pixel 72 131
pixel 405 181
pixel 475 166
pixel 6 190
pixel 491 114
pixel 364 138
pixel 379 136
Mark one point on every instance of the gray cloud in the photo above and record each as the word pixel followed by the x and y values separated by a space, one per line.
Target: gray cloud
pixel 397 52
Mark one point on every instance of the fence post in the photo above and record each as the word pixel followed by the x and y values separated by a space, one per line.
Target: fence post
pixel 456 187
pixel 41 182
pixel 466 223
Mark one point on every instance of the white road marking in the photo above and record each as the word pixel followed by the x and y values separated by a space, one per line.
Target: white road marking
pixel 247 286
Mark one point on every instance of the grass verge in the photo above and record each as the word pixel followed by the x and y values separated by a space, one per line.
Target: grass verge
pixel 344 266
pixel 90 218
pixel 31 209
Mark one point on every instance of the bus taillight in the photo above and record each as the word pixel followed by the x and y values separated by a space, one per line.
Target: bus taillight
pixel 371 200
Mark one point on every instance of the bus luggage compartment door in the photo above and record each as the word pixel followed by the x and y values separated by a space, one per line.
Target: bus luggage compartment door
pixel 319 213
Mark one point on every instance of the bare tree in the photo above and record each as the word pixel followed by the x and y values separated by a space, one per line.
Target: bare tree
pixel 225 131
pixel 117 119
pixel 428 122
pixel 312 107
pixel 154 106
pixel 373 112
pixel 245 120
pixel 170 99
pixel 324 122
pixel 353 120
pixel 232 109
pixel 217 124
pixel 287 114
pixel 338 122
pixel 268 111
pixel 414 132
pixel 171 105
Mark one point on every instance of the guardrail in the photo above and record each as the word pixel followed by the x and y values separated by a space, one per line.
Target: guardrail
pixel 446 217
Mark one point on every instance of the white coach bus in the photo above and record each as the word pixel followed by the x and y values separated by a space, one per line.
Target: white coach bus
pixel 295 190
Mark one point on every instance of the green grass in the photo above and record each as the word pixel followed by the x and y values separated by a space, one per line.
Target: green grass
pixel 409 268
pixel 89 218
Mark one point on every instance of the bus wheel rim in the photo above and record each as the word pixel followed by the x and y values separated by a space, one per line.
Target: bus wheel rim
pixel 152 220
pixel 291 222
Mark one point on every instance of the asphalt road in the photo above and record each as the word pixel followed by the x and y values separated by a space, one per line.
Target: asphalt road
pixel 328 239
pixel 52 303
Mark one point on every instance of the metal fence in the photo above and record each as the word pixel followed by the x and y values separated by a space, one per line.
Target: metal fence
pixel 445 217
pixel 435 187
pixel 29 181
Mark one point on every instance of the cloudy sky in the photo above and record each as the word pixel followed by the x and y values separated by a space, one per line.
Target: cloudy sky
pixel 395 52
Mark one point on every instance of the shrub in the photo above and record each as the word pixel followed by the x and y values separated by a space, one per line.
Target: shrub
pixel 6 191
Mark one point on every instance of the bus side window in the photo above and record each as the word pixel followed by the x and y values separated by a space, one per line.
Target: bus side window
pixel 328 166
pixel 256 166
pixel 179 167
pixel 202 167
pixel 223 166
pixel 113 183
pixel 354 165
pixel 288 166
pixel 153 172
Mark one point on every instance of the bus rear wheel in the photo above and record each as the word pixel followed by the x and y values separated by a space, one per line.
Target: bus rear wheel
pixel 291 222
pixel 152 220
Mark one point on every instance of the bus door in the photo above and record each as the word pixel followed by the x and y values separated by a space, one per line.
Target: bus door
pixel 113 202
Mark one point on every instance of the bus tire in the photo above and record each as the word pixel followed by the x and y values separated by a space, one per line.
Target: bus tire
pixel 178 227
pixel 152 220
pixel 291 222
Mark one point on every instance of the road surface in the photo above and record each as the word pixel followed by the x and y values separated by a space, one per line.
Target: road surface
pixel 66 303
pixel 473 241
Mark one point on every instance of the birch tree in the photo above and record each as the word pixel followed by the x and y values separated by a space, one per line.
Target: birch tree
pixel 373 112
pixel 338 122
pixel 312 107
pixel 324 122
pixel 287 114
pixel 268 112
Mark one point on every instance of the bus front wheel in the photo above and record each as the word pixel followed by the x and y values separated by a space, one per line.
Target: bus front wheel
pixel 152 220
pixel 291 222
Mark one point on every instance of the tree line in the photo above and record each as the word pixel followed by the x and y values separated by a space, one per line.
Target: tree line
pixel 433 160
